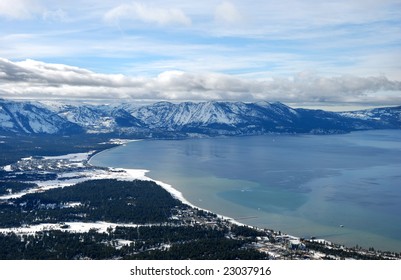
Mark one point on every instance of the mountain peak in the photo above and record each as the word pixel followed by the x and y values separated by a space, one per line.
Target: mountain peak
pixel 33 118
pixel 187 118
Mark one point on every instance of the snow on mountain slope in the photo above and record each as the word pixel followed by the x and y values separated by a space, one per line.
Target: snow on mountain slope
pixel 99 119
pixel 33 117
pixel 5 119
pixel 389 116
pixel 166 119
pixel 89 117
pixel 174 116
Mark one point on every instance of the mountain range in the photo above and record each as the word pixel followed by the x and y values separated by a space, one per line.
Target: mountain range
pixel 186 119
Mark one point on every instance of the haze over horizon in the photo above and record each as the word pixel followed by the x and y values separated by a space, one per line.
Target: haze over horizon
pixel 334 54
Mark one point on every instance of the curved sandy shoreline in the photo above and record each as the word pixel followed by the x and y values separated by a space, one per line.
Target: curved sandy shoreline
pixel 140 174
pixel 77 168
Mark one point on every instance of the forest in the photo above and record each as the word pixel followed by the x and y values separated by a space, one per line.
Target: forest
pixel 134 202
pixel 168 228
pixel 10 187
pixel 144 242
pixel 113 201
pixel 15 147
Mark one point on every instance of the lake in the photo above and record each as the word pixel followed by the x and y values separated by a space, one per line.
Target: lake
pixel 343 188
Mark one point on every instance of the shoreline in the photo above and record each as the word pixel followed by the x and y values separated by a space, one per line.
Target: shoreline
pixel 85 171
pixel 140 174
pixel 76 168
pixel 179 195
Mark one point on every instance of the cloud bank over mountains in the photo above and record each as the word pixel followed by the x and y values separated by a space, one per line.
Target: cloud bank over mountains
pixel 293 51
pixel 35 79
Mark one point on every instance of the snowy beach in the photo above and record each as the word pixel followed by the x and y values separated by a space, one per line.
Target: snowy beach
pixel 72 169
pixel 82 171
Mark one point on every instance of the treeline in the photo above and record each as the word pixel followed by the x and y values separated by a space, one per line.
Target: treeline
pixel 15 147
pixel 56 245
pixel 99 200
pixel 9 187
pixel 205 249
pixel 163 234
pixel 16 176
pixel 246 231
pixel 156 242
pixel 345 253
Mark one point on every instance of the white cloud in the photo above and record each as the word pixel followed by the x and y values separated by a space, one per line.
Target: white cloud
pixel 55 15
pixel 34 79
pixel 227 12
pixel 19 9
pixel 147 14
pixel 262 38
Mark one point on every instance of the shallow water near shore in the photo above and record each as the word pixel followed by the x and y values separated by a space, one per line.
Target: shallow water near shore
pixel 343 188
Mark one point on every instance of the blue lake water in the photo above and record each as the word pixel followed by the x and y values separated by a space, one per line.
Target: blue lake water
pixel 304 185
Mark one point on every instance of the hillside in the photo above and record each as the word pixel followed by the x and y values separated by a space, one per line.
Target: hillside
pixel 186 119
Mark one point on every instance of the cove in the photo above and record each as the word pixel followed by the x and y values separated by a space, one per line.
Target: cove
pixel 343 188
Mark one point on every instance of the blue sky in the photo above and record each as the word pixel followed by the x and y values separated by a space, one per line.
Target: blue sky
pixel 309 52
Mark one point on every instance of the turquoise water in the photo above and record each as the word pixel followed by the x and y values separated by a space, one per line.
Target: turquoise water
pixel 304 185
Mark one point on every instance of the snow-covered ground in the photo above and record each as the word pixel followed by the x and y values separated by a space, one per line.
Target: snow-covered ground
pixel 77 157
pixel 77 227
pixel 68 179
pixel 78 161
pixel 7 168
pixel 118 141
pixel 75 168
pixel 50 163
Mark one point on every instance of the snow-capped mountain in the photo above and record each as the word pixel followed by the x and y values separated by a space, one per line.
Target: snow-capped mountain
pixel 389 117
pixel 99 119
pixel 216 117
pixel 237 118
pixel 188 114
pixel 33 118
pixel 165 119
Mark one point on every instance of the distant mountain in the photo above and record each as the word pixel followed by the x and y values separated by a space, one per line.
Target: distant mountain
pixel 389 117
pixel 187 119
pixel 99 119
pixel 33 118
pixel 216 118
pixel 237 118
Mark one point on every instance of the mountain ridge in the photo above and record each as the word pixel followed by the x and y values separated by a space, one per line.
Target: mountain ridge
pixel 187 119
